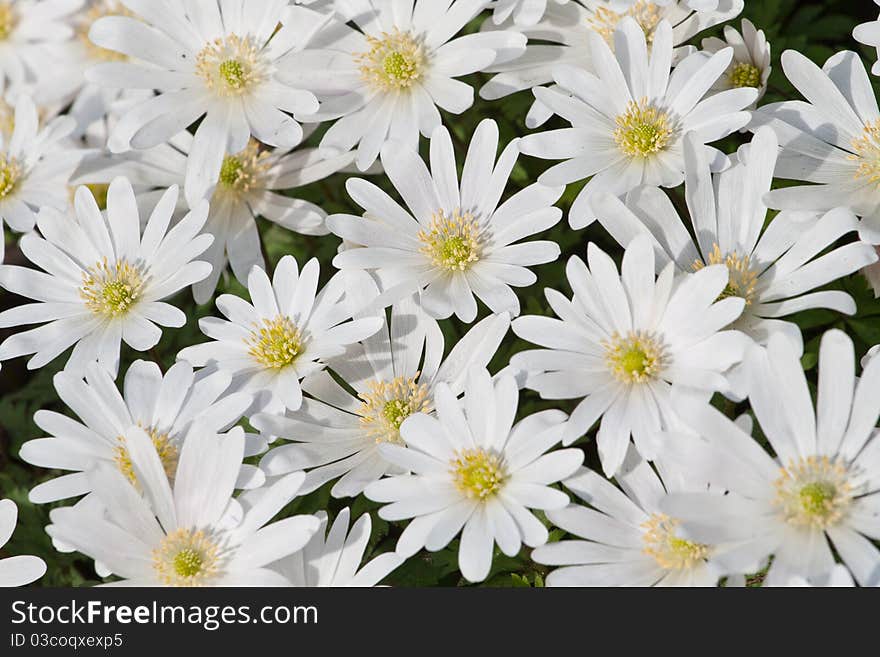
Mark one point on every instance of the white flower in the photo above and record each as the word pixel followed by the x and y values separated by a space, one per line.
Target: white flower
pixel 386 78
pixel 210 59
pixel 287 332
pixel 832 140
pixel 774 269
pixel 475 472
pixel 563 37
pixel 104 279
pixel 163 406
pixel 624 539
pixel 20 570
pixel 624 340
pixel 751 58
pixel 191 533
pixel 822 484
pixel 869 34
pixel 34 170
pixel 335 560
pixel 455 241
pixel 523 12
pixel 392 375
pixel 248 187
pixel 627 128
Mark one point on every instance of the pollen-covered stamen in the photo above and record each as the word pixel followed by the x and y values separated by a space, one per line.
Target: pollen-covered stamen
pixel 275 343
pixel 452 243
pixel 742 280
pixel 395 62
pixel 111 289
pixel 232 66
pixel 8 20
pixel 745 74
pixel 477 473
pixel 10 174
pixel 97 11
pixel 670 551
pixel 636 357
pixel 188 557
pixel 646 14
pixel 643 130
pixel 386 404
pixel 242 172
pixel 815 492
pixel 165 448
pixel 866 152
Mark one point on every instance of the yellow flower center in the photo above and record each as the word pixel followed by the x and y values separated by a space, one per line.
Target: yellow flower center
pixel 242 172
pixel 745 75
pixel 10 174
pixel 635 358
pixel 605 21
pixel 165 448
pixel 643 130
pixel 7 119
pixel 110 290
pixel 395 62
pixel 866 151
pixel 452 243
pixel 814 492
pixel 275 343
pixel 187 557
pixel 386 404
pixel 97 11
pixel 669 550
pixel 232 66
pixel 8 20
pixel 742 279
pixel 477 473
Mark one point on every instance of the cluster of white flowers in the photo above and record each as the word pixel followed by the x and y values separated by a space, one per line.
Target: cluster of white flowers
pixel 141 140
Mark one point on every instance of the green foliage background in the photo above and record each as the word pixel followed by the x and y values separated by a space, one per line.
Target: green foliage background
pixel 817 29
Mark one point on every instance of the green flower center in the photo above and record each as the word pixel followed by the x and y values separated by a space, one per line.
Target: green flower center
pixel 276 343
pixel 642 130
pixel 745 75
pixel 187 563
pixel 477 473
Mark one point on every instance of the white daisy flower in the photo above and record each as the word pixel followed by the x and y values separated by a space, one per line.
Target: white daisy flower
pixel 391 375
pixel 751 58
pixel 19 570
pixel 288 331
pixel 209 59
pixel 627 128
pixel 623 538
pixel 522 12
pixel 163 406
pixel 335 560
pixel 454 241
pixel 191 533
pixel 832 140
pixel 822 484
pixel 104 279
pixel 386 77
pixel 623 341
pixel 774 267
pixel 34 168
pixel 869 34
pixel 249 185
pixel 475 472
pixel 562 37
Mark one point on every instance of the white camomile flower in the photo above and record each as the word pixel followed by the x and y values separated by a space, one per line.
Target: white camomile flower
pixel 562 37
pixel 249 186
pixel 103 280
pixel 832 140
pixel 629 119
pixel 333 559
pixel 189 533
pixel 19 570
pixel 869 34
pixel 822 484
pixel 623 538
pixel 163 406
pixel 391 375
pixel 211 59
pixel 774 267
pixel 34 167
pixel 387 77
pixel 751 58
pixel 523 13
pixel 477 472
pixel 455 241
pixel 624 340
pixel 288 331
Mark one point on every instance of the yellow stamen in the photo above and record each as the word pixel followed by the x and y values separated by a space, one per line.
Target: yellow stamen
pixel 242 172
pixel 187 557
pixel 8 20
pixel 646 14
pixel 395 62
pixel 477 473
pixel 165 448
pixel 669 550
pixel 635 358
pixel 10 174
pixel 866 151
pixel 275 343
pixel 742 279
pixel 643 130
pixel 814 492
pixel 232 66
pixel 452 243
pixel 386 404
pixel 110 290
pixel 745 74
